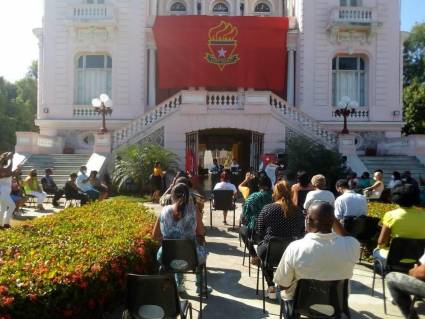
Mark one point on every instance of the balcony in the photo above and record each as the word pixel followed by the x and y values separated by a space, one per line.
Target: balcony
pixel 358 21
pixel 93 15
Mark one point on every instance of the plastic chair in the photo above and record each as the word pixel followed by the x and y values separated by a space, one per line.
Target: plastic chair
pixel 222 199
pixel 275 249
pixel 404 253
pixel 310 293
pixel 159 291
pixel 184 250
pixel 364 228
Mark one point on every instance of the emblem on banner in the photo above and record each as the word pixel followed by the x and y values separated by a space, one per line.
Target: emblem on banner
pixel 222 44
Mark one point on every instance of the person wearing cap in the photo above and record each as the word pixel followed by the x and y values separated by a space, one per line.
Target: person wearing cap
pixel 319 193
pixel 32 188
pixel 225 185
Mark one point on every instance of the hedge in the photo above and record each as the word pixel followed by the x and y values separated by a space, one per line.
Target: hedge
pixel 73 264
pixel 377 209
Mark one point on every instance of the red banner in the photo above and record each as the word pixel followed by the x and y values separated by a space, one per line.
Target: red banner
pixel 221 52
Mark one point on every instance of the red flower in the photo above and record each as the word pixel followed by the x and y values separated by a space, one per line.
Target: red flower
pixel 5 317
pixel 67 313
pixel 3 290
pixel 32 297
pixel 83 285
pixel 8 300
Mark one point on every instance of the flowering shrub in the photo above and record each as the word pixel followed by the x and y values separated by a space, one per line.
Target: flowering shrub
pixel 377 209
pixel 73 264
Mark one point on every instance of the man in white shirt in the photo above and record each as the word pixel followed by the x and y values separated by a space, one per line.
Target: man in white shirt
pixel 349 203
pixel 320 255
pixel 319 193
pixel 83 183
pixel 403 286
pixel 225 185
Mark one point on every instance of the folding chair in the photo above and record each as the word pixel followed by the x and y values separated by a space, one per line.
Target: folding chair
pixel 364 228
pixel 253 240
pixel 223 199
pixel 404 253
pixel 275 250
pixel 184 251
pixel 310 297
pixel 147 294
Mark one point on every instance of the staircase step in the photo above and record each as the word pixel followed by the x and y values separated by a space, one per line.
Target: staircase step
pixel 391 164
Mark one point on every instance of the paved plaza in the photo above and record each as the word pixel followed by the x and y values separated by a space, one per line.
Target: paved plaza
pixel 234 294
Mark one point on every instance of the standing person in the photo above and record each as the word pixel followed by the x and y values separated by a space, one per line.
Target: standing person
pixel 156 180
pixel 281 219
pixel 349 203
pixel 32 187
pixel 319 193
pixel 403 286
pixel 375 191
pixel 225 185
pixel 7 205
pixel 321 255
pixel 250 211
pixel 303 186
pixel 72 192
pixel 181 220
pixel 83 183
pixel 49 186
pixel 235 171
pixel 395 180
pixel 215 171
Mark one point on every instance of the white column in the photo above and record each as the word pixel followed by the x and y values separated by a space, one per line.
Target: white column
pixel 153 7
pixel 152 78
pixel 195 7
pixel 290 83
pixel 238 8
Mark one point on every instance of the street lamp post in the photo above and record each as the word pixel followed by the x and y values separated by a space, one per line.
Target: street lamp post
pixel 103 106
pixel 346 107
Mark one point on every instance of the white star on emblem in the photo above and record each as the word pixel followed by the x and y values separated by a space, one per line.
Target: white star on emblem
pixel 222 53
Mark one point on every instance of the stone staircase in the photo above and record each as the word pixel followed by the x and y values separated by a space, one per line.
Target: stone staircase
pixel 62 165
pixel 292 117
pixel 390 164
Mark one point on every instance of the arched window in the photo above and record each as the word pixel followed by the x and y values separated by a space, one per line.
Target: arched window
pixel 350 3
pixel 221 9
pixel 93 76
pixel 349 79
pixel 178 7
pixel 262 8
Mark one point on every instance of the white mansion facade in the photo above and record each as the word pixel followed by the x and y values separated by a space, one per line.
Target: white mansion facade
pixel 336 49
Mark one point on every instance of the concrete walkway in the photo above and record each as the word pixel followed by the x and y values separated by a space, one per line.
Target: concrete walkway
pixel 234 295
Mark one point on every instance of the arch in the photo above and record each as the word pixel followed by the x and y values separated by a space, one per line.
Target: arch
pixel 221 7
pixel 178 7
pixel 263 7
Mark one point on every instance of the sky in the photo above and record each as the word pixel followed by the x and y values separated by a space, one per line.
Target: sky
pixel 19 46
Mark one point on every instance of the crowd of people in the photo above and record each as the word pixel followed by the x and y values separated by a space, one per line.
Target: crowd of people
pixel 312 217
pixel 16 191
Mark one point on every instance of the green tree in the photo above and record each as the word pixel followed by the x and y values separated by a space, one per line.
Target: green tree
pixel 305 155
pixel 414 108
pixel 414 55
pixel 137 161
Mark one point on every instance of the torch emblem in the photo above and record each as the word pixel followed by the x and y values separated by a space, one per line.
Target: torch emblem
pixel 222 45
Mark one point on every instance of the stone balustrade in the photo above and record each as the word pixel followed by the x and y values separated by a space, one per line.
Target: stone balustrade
pixel 361 114
pixel 354 15
pixel 85 112
pixel 92 12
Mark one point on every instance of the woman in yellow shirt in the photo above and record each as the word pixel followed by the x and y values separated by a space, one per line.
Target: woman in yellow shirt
pixel 406 221
pixel 156 179
pixel 32 188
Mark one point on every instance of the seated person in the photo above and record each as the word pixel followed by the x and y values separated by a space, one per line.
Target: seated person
pixel 225 185
pixel 405 221
pixel 32 188
pixel 319 193
pixel 322 254
pixel 395 180
pixel 364 181
pixel 402 286
pixel 375 191
pixel 72 192
pixel 249 185
pixel 303 184
pixel 49 186
pixel 181 220
pixel 98 185
pixel 349 203
pixel 250 211
pixel 280 219
pixel 16 194
pixel 83 184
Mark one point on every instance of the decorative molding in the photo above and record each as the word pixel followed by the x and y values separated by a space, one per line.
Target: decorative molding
pixel 157 138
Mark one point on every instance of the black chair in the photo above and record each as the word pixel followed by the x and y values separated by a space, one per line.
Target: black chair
pixel 223 199
pixel 253 240
pixel 364 228
pixel 404 253
pixel 184 250
pixel 414 301
pixel 160 291
pixel 310 292
pixel 275 249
